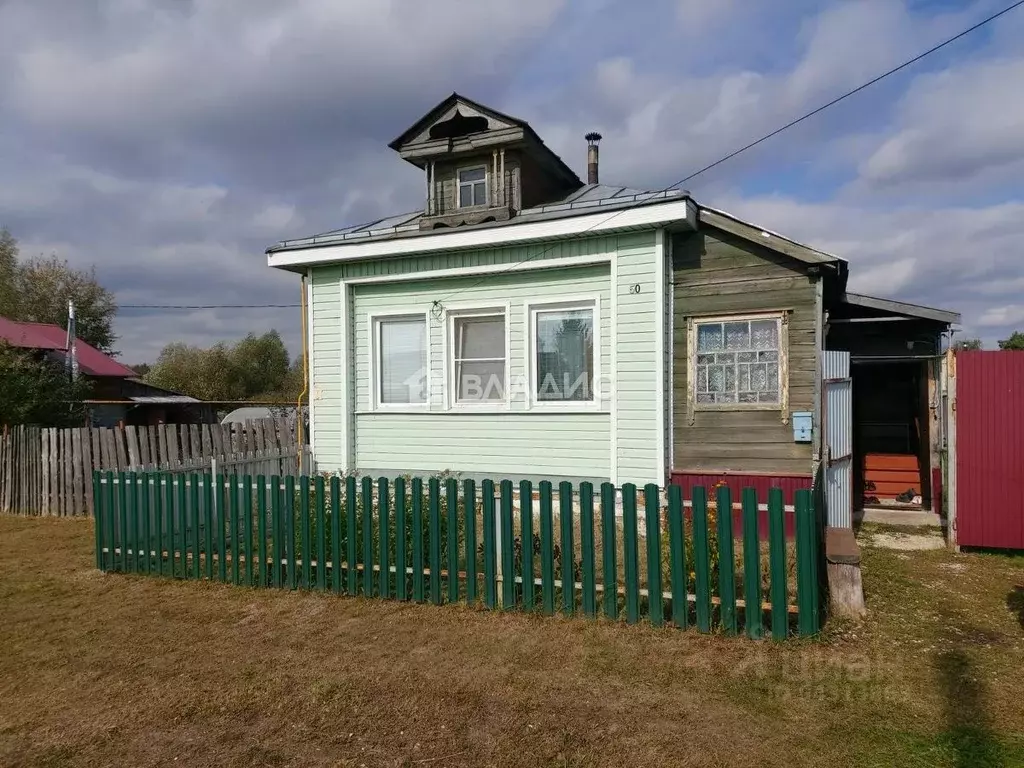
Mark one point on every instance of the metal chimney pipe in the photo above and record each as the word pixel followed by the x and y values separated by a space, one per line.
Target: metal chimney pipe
pixel 592 156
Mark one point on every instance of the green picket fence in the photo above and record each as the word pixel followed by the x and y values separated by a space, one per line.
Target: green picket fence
pixel 629 552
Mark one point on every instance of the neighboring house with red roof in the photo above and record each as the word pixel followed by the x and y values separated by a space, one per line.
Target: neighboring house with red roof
pixel 118 395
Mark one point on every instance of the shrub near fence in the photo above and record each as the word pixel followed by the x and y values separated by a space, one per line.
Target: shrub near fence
pixel 624 553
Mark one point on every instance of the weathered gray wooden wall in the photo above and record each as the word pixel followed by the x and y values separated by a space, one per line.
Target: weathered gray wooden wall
pixel 714 273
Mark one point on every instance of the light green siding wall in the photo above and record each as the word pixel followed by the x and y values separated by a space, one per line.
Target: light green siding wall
pixel 517 442
pixel 638 363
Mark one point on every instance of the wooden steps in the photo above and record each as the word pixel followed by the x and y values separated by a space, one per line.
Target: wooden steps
pixel 887 475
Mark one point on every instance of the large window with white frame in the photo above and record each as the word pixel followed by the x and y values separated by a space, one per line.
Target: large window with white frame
pixel 738 362
pixel 478 358
pixel 564 353
pixel 472 187
pixel 400 361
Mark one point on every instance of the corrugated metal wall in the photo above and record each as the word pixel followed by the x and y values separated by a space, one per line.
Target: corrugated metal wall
pixel 838 433
pixel 990 449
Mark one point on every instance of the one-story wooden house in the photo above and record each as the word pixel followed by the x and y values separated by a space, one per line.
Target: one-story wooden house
pixel 524 323
pixel 116 394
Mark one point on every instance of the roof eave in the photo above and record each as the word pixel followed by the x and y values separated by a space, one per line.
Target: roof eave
pixel 919 311
pixel 676 211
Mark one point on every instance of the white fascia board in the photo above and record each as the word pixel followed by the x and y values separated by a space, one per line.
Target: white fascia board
pixel 653 215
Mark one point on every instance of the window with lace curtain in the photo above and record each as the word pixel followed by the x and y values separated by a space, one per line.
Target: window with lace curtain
pixel 738 362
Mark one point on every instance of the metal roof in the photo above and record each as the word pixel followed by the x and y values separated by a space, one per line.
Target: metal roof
pixel 756 233
pixel 902 308
pixel 52 337
pixel 587 199
pixel 145 399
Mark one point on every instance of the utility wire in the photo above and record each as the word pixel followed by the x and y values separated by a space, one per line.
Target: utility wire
pixel 766 137
pixel 726 158
pixel 213 306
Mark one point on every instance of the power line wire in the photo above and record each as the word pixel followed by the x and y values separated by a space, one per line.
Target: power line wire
pixel 766 137
pixel 213 306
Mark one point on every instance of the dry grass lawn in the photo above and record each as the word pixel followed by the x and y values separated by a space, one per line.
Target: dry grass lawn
pixel 102 669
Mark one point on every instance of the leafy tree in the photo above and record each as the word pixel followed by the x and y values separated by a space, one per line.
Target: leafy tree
pixel 38 290
pixel 255 368
pixel 967 344
pixel 142 369
pixel 39 391
pixel 8 275
pixel 1016 341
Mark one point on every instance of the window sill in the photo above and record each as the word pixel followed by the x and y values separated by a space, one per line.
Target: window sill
pixel 737 407
pixel 491 411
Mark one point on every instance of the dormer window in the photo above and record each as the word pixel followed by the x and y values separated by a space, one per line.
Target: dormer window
pixel 472 187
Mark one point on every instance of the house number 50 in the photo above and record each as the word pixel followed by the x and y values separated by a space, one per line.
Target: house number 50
pixel 634 288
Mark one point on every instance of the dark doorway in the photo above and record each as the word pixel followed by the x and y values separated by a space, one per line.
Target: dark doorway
pixel 890 434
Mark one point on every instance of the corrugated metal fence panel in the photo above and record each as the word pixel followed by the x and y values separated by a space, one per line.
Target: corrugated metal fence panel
pixel 990 449
pixel 838 438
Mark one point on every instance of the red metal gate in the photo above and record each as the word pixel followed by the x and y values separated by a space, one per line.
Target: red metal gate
pixel 990 449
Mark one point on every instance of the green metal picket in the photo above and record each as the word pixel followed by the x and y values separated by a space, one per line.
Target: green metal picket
pixel 351 515
pixel 568 551
pixel 508 567
pixel 806 593
pixel 526 538
pixel 145 511
pixel 726 561
pixel 261 530
pixel 777 564
pixel 469 517
pixel 547 549
pixel 751 566
pixel 110 520
pixel 434 507
pixel 608 570
pixel 305 535
pixel 451 496
pixel 321 532
pixel 702 559
pixel 367 537
pixel 122 510
pixel 276 535
pixel 630 553
pixel 490 597
pixel 288 512
pixel 417 540
pixel 193 518
pixel 173 524
pixel 208 525
pixel 401 537
pixel 677 557
pixel 652 520
pixel 98 532
pixel 384 522
pixel 336 534
pixel 587 546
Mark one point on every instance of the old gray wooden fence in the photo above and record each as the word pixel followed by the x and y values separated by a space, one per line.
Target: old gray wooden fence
pixel 45 471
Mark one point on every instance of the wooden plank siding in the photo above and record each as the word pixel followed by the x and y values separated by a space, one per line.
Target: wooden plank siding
pixel 716 273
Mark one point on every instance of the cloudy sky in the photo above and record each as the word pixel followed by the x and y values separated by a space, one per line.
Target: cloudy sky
pixel 168 142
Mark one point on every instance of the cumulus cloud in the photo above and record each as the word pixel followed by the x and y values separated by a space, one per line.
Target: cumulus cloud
pixel 170 141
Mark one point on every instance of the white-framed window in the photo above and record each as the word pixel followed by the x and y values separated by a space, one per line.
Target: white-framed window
pixel 564 353
pixel 472 186
pixel 400 361
pixel 478 357
pixel 739 362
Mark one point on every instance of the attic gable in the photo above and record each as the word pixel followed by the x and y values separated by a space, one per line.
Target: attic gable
pixel 455 117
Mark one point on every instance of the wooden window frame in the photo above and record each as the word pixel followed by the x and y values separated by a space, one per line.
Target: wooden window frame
pixel 781 405
pixel 459 184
